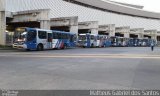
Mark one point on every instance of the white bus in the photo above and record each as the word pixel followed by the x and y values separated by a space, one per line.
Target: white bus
pixel 40 39
pixel 92 40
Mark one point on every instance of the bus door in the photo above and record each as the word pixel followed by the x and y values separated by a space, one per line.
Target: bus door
pixel 31 38
pixel 88 40
pixel 97 41
pixel 73 40
pixel 49 40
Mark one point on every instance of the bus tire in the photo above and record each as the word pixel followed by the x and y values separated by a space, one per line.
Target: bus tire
pixel 92 45
pixel 64 46
pixel 40 47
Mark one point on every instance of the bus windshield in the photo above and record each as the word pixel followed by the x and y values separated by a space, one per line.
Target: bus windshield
pixel 113 39
pixel 92 37
pixel 20 36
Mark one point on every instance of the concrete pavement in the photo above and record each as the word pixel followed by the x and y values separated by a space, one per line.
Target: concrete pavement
pixel 95 68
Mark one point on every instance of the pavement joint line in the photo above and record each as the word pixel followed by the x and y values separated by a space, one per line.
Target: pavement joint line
pixel 149 55
pixel 85 55
pixel 75 56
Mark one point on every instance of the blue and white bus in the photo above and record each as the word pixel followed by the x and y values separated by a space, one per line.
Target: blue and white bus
pixel 147 42
pixel 40 39
pixel 119 41
pixel 87 40
pixel 62 40
pixel 123 41
pixel 93 40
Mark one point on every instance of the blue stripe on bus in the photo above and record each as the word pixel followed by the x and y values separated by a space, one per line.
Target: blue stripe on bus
pixel 57 44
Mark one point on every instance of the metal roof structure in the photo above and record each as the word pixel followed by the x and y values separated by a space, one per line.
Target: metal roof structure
pixel 105 12
pixel 117 7
pixel 130 5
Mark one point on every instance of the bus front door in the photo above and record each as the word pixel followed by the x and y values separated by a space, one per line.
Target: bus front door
pixel 49 41
pixel 88 41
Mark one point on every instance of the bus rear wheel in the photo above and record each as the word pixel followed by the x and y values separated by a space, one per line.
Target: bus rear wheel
pixel 63 47
pixel 40 47
pixel 92 45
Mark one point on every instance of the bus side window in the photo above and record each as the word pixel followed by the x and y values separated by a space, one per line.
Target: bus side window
pixel 98 37
pixel 73 38
pixel 68 36
pixel 59 35
pixel 55 35
pixel 50 37
pixel 63 36
pixel 42 34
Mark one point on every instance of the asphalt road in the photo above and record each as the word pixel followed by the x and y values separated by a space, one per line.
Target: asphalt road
pixel 95 68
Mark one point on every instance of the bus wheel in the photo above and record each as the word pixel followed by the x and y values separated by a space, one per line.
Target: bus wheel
pixel 64 46
pixel 40 47
pixel 92 45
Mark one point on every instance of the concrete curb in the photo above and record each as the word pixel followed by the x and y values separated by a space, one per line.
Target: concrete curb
pixel 7 49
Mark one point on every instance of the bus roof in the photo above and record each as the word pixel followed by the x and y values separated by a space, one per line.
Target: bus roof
pixel 44 30
pixel 82 34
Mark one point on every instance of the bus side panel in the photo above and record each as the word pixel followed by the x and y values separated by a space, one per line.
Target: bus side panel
pixel 61 44
pixel 54 43
pixel 108 43
pixel 69 43
pixel 57 43
pixel 31 45
pixel 72 44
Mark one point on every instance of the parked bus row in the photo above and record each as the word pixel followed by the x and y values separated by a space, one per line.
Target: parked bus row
pixel 131 42
pixel 93 40
pixel 40 39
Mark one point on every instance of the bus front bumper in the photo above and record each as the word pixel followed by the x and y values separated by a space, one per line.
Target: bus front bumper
pixel 24 46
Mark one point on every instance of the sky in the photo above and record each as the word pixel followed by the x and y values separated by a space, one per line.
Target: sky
pixel 150 5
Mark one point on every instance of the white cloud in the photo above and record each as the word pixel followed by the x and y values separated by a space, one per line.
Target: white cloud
pixel 150 5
